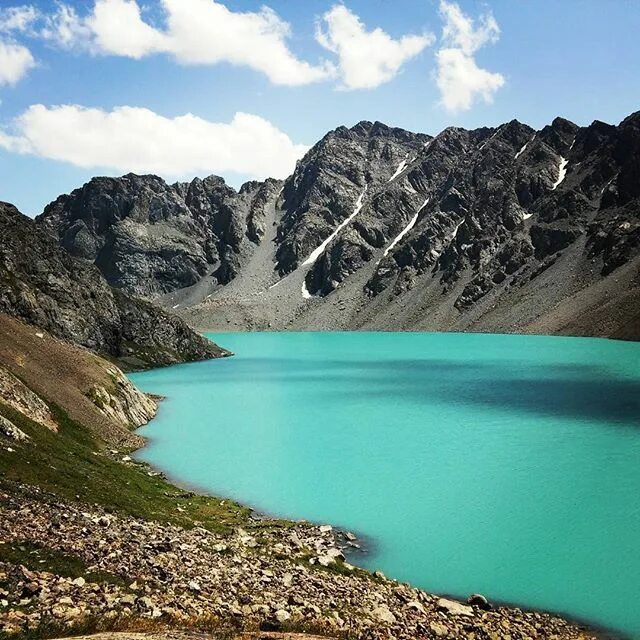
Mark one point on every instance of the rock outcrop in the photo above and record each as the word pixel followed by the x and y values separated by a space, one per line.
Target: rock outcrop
pixel 121 401
pixel 18 396
pixel 149 238
pixel 44 285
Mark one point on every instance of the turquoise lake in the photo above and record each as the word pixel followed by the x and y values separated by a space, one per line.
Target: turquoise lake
pixel 505 465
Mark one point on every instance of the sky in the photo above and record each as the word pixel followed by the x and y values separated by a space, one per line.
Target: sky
pixel 185 88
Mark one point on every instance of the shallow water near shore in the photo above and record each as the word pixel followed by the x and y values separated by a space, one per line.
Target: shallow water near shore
pixel 505 465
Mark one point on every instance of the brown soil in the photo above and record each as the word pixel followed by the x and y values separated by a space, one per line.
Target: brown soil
pixel 61 373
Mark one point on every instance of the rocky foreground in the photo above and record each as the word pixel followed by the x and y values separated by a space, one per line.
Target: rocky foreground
pixel 66 563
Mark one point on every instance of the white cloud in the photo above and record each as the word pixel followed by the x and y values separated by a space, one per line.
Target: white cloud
pixel 139 140
pixel 119 30
pixel 19 18
pixel 460 80
pixel 15 62
pixel 66 29
pixel 196 32
pixel 367 59
pixel 459 30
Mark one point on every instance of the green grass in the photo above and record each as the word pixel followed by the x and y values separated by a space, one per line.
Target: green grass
pixel 75 465
pixel 38 558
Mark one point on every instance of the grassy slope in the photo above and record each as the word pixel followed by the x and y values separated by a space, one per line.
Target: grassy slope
pixel 76 465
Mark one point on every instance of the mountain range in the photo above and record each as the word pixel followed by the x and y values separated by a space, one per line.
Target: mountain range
pixel 503 229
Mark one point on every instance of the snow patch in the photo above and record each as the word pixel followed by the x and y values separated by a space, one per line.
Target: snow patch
pixel 318 252
pixel 524 146
pixel 273 286
pixel 175 306
pixel 406 230
pixel 606 186
pixel 526 216
pixel 399 170
pixel 562 172
pixel 489 139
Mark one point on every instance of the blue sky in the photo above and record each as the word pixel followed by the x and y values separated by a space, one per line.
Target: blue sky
pixel 524 59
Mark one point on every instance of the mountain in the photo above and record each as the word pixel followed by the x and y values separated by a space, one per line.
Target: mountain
pixel 494 229
pixel 148 237
pixel 44 286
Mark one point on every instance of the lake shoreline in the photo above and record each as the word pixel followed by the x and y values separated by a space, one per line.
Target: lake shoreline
pixel 339 534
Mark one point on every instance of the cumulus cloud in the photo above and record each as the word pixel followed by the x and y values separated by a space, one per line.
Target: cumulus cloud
pixel 459 78
pixel 118 29
pixel 15 62
pixel 139 140
pixel 207 32
pixel 195 32
pixel 366 59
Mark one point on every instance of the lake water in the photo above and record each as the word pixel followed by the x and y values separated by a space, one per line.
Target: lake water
pixel 505 465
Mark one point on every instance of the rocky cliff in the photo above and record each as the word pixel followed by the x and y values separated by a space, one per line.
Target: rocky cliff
pixel 45 286
pixel 494 229
pixel 148 237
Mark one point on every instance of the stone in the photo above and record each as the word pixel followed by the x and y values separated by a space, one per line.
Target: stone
pixel 455 608
pixel 383 614
pixel 439 629
pixel 416 606
pixel 336 554
pixel 282 616
pixel 478 600
pixel 31 589
pixel 325 560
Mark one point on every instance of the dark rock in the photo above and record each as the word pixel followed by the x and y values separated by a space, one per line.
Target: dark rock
pixel 150 238
pixel 478 600
pixel 45 286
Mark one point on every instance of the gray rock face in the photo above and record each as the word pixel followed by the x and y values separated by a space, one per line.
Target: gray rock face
pixel 150 238
pixel 327 182
pixel 45 286
pixel 496 229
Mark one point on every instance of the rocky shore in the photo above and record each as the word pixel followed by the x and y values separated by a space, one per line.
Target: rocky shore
pixel 64 563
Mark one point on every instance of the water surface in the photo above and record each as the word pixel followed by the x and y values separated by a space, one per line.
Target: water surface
pixel 506 465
